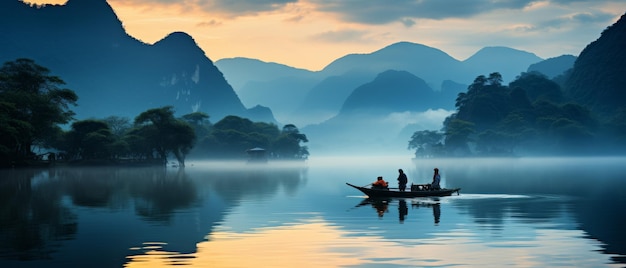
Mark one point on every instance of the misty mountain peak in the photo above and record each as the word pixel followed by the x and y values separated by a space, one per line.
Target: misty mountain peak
pixel 499 51
pixel 390 91
pixel 407 47
pixel 177 40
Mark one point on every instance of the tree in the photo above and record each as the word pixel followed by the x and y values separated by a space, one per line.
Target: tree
pixel 486 102
pixel 424 142
pixel 34 104
pixel 89 139
pixel 118 125
pixel 166 134
pixel 458 134
pixel 202 127
pixel 287 145
pixel 538 87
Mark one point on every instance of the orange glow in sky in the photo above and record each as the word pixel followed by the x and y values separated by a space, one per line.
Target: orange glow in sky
pixel 311 34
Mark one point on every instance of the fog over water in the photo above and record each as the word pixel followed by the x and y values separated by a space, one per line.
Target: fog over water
pixel 520 212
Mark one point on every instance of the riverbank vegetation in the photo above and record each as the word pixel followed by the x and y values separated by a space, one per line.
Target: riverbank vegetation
pixel 35 108
pixel 530 116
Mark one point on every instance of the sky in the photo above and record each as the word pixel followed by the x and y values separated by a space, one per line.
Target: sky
pixel 310 34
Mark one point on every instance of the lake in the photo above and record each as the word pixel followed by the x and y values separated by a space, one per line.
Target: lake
pixel 517 212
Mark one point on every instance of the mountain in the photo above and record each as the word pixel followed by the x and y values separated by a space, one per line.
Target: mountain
pixel 325 99
pixel 506 61
pixel 375 113
pixel 257 82
pixel 241 71
pixel 85 44
pixel 597 79
pixel 391 91
pixel 553 67
pixel 335 82
pixel 420 60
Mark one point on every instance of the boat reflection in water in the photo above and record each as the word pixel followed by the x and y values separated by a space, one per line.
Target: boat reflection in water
pixel 381 205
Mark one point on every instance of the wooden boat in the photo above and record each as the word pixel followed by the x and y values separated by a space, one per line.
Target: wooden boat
pixel 373 192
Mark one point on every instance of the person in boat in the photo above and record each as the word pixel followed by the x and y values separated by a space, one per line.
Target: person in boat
pixel 436 180
pixel 380 183
pixel 402 180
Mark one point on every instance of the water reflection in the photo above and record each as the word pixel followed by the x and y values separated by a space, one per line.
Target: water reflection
pixel 221 215
pixel 403 210
pixel 317 242
pixel 433 203
pixel 42 210
pixel 381 206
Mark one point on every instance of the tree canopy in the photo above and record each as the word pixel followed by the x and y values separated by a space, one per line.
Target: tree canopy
pixel 529 116
pixel 166 133
pixel 233 135
pixel 32 105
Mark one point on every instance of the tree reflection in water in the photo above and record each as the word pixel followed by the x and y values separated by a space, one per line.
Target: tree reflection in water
pixel 40 208
pixel 33 219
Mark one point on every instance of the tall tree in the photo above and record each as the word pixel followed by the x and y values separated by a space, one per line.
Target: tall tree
pixel 170 135
pixel 35 106
pixel 287 145
pixel 90 139
pixel 458 135
pixel 424 142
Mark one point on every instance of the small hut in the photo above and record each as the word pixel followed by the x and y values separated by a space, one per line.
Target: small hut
pixel 257 154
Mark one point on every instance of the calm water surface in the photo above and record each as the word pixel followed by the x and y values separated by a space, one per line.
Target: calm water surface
pixel 545 212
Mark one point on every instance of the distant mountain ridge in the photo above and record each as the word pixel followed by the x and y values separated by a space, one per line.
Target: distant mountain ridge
pixel 85 44
pixel 337 80
pixel 554 67
pixel 391 91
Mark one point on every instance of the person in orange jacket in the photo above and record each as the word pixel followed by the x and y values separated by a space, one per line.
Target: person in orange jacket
pixel 380 183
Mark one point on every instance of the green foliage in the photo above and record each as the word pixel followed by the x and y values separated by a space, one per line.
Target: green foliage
pixel 89 139
pixel 232 136
pixel 287 145
pixel 425 143
pixel 165 134
pixel 33 105
pixel 457 136
pixel 538 87
pixel 486 102
pixel 527 116
pixel 597 79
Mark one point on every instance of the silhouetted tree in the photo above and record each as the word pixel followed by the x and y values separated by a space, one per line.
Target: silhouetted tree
pixel 424 142
pixel 538 87
pixel 89 139
pixel 287 145
pixel 202 127
pixel 33 106
pixel 118 125
pixel 167 134
pixel 458 134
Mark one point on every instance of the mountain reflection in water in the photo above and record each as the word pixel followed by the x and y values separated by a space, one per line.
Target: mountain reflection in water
pixel 515 212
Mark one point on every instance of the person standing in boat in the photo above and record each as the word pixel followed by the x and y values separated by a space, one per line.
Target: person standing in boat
pixel 436 180
pixel 380 183
pixel 402 180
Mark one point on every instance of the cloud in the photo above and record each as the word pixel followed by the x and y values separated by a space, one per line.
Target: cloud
pixel 243 7
pixel 430 119
pixel 407 11
pixel 210 23
pixel 227 8
pixel 341 36
pixel 577 19
pixel 383 12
